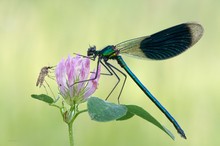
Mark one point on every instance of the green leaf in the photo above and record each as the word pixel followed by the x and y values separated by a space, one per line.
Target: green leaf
pixel 127 116
pixel 103 111
pixel 43 97
pixel 139 111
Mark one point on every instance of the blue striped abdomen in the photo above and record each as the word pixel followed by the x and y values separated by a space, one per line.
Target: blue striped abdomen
pixel 152 98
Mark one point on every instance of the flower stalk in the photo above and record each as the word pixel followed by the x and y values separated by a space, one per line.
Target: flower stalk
pixel 70 129
pixel 69 76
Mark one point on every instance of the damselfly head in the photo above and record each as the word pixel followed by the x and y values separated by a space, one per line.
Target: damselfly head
pixel 91 51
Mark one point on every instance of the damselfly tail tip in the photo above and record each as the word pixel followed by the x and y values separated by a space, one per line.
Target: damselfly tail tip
pixel 182 134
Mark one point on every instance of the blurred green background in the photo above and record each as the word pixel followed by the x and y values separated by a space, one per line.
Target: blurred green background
pixel 35 33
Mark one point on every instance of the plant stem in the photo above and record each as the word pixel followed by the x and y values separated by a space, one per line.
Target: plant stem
pixel 70 124
pixel 70 127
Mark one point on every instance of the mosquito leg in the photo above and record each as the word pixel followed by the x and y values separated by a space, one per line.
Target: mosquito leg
pixel 51 77
pixel 58 97
pixel 45 88
pixel 50 88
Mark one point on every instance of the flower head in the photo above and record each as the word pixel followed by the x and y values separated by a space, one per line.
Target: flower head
pixel 71 71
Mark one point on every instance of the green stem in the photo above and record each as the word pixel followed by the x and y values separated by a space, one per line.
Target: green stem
pixel 54 105
pixel 70 127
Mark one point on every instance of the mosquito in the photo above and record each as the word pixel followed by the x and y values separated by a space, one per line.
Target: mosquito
pixel 44 72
